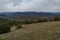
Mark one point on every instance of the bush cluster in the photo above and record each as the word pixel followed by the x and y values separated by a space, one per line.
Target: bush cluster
pixel 56 19
pixel 4 28
pixel 5 25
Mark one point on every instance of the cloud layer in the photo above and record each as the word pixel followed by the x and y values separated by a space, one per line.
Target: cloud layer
pixel 30 5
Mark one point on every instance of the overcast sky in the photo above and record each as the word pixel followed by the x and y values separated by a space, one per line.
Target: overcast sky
pixel 30 5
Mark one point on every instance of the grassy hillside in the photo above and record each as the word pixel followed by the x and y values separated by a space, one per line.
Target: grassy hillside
pixel 38 31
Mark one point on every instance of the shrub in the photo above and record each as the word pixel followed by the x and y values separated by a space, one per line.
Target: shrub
pixel 56 19
pixel 50 20
pixel 12 23
pixel 44 20
pixel 28 22
pixel 5 25
pixel 39 20
pixel 4 28
pixel 18 22
pixel 19 26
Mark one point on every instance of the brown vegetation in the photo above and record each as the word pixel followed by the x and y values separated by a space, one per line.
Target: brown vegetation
pixel 38 31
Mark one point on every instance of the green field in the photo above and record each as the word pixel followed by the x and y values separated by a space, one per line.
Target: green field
pixel 37 31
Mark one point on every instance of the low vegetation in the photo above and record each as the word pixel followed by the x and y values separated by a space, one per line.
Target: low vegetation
pixel 38 31
pixel 57 19
pixel 5 24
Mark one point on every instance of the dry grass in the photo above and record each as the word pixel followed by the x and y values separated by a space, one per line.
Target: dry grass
pixel 38 31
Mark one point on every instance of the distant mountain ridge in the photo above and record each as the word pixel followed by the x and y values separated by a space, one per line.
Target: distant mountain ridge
pixel 29 14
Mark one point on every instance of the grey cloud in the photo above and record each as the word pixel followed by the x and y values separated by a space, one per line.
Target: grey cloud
pixel 30 5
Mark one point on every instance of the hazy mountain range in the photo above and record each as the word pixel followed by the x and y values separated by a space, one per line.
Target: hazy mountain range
pixel 29 14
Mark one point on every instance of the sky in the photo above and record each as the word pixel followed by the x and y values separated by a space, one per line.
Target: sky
pixel 30 5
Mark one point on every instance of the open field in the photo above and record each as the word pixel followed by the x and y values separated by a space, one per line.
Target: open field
pixel 38 31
